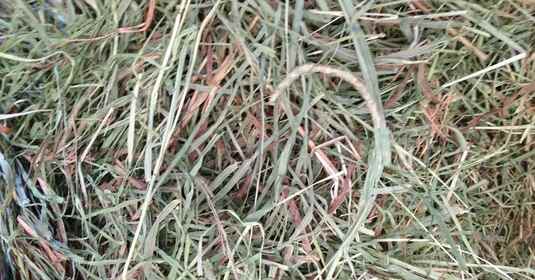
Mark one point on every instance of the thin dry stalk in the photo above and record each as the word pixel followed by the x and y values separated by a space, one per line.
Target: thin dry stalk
pixel 375 110
pixel 477 51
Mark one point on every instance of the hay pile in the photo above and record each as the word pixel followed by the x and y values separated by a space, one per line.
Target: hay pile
pixel 163 139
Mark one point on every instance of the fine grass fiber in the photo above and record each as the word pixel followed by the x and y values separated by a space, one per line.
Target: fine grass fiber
pixel 261 139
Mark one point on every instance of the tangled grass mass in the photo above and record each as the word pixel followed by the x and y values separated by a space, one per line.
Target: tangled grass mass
pixel 265 139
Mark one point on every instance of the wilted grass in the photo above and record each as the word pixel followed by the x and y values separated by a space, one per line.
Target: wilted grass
pixel 230 139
